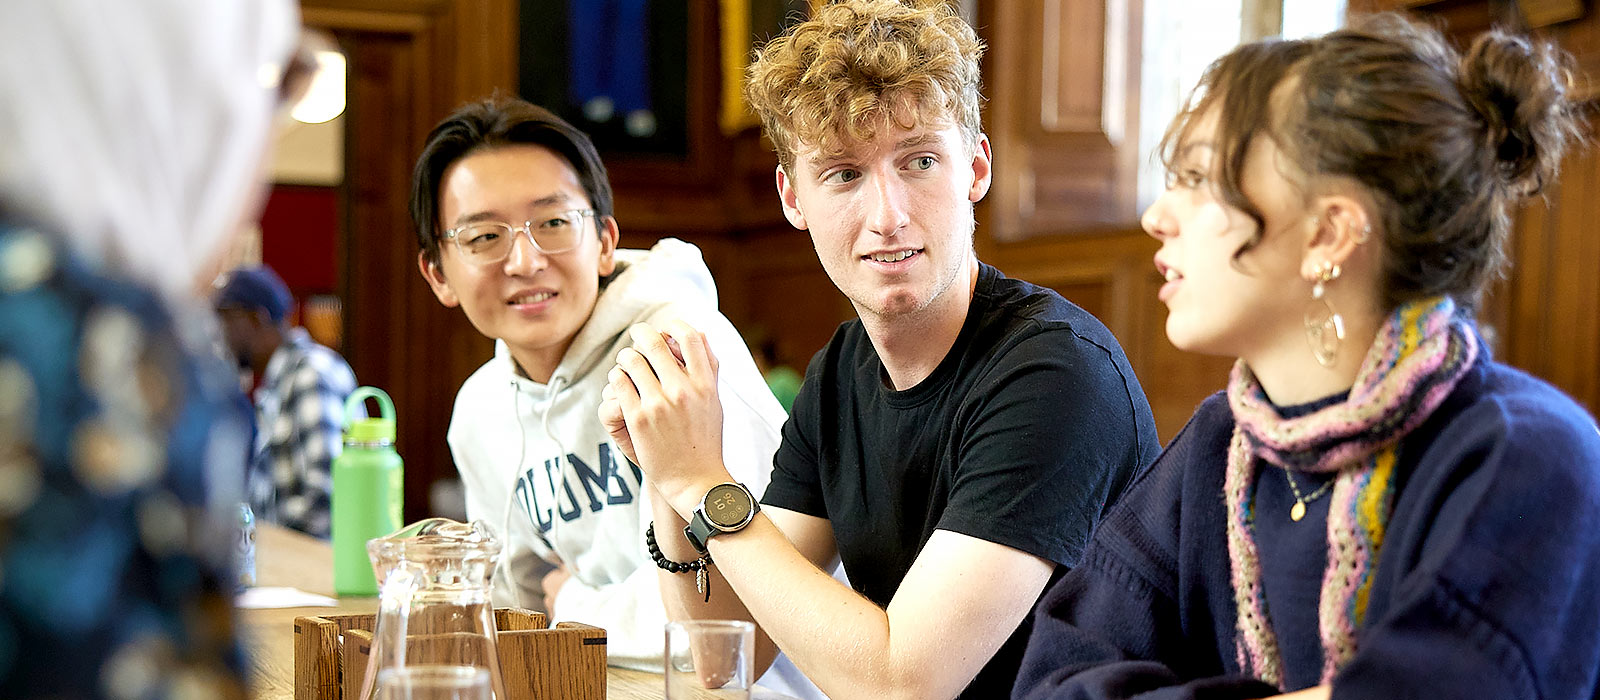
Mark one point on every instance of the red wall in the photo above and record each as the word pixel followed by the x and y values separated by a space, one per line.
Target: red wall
pixel 299 238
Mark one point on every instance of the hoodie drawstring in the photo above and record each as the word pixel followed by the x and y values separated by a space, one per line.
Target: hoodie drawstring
pixel 556 384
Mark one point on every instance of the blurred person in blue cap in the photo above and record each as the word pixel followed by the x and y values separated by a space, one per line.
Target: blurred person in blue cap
pixel 299 392
pixel 122 438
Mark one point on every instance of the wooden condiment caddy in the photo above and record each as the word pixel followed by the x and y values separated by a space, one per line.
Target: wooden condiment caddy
pixel 567 662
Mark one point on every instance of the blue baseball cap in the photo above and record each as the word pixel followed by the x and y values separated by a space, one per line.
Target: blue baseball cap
pixel 254 288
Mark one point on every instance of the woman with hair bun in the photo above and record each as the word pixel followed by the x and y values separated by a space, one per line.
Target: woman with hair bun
pixel 1374 507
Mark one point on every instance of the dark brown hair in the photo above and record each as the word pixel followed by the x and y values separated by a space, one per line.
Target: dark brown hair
pixel 491 123
pixel 1444 144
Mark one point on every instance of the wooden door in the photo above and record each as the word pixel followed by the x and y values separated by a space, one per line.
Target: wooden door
pixel 411 62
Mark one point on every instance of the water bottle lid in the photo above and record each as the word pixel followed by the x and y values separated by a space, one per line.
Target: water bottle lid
pixel 369 429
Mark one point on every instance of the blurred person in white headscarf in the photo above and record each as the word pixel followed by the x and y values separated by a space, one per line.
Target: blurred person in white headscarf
pixel 133 143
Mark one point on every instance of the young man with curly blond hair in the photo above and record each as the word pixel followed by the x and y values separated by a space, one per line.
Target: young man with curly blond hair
pixel 954 446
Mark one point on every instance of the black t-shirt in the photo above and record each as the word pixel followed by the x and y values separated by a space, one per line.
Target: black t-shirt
pixel 1024 435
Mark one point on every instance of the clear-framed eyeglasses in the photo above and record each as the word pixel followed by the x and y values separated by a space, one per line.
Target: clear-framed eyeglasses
pixel 489 242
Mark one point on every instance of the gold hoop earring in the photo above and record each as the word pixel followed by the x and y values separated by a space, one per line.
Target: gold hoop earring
pixel 1324 325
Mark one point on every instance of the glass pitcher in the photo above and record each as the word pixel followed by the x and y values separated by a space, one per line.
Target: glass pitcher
pixel 433 601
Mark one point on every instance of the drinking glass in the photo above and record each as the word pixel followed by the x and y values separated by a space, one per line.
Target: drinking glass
pixel 710 659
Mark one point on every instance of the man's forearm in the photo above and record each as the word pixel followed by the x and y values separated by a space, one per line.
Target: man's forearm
pixel 679 594
pixel 839 639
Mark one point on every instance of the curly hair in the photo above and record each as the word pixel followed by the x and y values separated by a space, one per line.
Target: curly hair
pixel 859 64
pixel 1445 144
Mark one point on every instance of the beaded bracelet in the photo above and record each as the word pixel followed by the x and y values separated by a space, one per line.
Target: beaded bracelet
pixel 702 581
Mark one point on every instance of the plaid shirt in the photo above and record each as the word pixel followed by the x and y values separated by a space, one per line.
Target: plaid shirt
pixel 299 416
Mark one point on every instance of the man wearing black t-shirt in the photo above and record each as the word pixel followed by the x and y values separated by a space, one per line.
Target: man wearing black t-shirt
pixel 954 446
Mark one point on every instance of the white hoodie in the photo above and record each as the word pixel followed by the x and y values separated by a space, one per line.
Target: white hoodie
pixel 537 464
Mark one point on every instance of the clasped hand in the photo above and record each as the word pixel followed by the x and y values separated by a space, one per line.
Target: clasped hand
pixel 661 408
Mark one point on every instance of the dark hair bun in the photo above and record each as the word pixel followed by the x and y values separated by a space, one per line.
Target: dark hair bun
pixel 1519 88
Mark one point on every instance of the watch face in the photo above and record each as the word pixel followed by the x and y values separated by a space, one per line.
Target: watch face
pixel 727 506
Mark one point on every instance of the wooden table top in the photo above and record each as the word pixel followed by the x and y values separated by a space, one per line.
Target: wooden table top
pixel 288 558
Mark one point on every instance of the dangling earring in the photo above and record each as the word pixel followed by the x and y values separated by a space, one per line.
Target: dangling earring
pixel 1324 325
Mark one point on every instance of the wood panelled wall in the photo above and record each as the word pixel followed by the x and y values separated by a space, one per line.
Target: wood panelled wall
pixel 1062 113
pixel 1063 80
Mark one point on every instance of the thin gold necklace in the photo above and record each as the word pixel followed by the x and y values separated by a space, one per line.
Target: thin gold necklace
pixel 1298 510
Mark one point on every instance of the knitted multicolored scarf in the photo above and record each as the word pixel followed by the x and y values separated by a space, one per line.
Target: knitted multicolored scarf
pixel 1419 355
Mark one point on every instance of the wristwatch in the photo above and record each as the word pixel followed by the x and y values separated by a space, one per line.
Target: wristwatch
pixel 727 507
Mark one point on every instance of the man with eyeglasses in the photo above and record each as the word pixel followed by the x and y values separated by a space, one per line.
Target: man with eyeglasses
pixel 513 213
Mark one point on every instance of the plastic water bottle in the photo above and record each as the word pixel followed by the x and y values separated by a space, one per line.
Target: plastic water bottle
pixel 245 553
pixel 368 480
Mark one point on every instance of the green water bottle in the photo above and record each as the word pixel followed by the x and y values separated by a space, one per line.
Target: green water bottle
pixel 367 492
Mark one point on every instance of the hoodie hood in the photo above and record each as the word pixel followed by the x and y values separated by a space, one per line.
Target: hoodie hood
pixel 670 272
pixel 538 466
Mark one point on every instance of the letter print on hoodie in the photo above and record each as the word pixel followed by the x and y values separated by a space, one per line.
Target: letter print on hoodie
pixel 537 465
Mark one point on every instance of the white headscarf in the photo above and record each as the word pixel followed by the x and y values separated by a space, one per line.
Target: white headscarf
pixel 139 130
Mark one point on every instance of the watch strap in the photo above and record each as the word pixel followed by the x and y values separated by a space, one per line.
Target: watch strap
pixel 699 531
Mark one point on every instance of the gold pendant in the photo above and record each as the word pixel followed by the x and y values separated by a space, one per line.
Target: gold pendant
pixel 1298 511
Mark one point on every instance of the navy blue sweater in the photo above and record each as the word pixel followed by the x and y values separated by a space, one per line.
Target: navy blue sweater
pixel 1487 585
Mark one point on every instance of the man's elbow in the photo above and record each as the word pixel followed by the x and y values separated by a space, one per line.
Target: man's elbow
pixel 910 684
pixel 895 691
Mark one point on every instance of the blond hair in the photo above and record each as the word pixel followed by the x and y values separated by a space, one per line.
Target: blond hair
pixel 857 65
